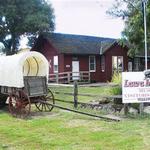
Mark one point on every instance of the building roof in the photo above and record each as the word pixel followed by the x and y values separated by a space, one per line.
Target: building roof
pixel 105 45
pixel 79 44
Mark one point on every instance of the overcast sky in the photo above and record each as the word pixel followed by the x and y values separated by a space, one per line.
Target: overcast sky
pixel 86 17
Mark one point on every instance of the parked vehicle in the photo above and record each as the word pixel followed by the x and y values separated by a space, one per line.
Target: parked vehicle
pixel 24 80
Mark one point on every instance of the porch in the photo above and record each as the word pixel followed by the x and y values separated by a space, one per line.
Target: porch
pixel 69 77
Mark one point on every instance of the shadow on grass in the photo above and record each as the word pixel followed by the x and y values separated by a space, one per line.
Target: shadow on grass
pixel 33 114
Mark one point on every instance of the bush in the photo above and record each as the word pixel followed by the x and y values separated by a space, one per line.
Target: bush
pixel 117 78
pixel 116 90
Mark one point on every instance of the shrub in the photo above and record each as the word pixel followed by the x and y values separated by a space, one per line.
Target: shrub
pixel 116 90
pixel 117 78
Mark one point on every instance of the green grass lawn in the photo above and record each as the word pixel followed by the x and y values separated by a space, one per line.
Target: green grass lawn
pixel 61 130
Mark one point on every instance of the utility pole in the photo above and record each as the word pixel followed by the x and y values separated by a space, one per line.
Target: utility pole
pixel 145 44
pixel 145 31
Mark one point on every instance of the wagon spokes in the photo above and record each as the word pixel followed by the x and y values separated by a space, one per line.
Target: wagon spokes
pixel 19 104
pixel 44 101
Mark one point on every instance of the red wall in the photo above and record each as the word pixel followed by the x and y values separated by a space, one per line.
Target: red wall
pixel 49 52
pixel 115 50
pixel 65 61
pixel 97 76
pixel 83 62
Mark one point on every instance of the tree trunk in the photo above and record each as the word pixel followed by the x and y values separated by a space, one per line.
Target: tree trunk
pixel 3 99
pixel 14 45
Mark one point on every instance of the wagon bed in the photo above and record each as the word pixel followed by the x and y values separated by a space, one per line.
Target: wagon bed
pixel 35 85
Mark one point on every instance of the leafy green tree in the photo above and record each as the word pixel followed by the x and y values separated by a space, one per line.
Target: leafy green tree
pixel 131 11
pixel 24 17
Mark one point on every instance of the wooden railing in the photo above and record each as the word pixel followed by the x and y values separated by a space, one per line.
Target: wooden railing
pixel 68 77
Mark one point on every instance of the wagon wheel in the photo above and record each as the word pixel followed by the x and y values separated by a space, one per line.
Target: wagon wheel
pixel 49 98
pixel 19 104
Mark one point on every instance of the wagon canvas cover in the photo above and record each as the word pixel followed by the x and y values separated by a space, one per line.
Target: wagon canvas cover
pixel 14 68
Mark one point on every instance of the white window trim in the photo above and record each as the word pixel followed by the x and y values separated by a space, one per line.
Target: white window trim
pixel 102 63
pixel 94 64
pixel 55 60
pixel 117 64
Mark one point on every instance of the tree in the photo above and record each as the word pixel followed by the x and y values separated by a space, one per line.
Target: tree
pixel 24 17
pixel 132 13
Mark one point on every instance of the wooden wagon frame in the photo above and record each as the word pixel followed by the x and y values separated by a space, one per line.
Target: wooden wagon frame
pixel 24 79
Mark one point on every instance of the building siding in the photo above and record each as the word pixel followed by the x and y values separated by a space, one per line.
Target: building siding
pixel 65 60
pixel 116 50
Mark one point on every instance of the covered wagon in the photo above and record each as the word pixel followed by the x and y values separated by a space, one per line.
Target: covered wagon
pixel 24 78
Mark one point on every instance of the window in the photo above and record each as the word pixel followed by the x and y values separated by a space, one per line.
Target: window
pixel 129 66
pixel 117 63
pixel 103 63
pixel 55 64
pixel 136 64
pixel 92 64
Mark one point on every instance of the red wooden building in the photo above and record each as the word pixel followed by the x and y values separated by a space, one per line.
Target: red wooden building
pixel 75 53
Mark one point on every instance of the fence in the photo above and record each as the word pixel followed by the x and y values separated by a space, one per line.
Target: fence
pixel 97 99
pixel 68 77
pixel 87 97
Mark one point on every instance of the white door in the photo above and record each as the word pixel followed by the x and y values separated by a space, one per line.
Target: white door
pixel 75 70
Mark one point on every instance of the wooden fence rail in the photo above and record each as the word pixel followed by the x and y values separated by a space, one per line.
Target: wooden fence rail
pixel 67 77
pixel 75 95
pixel 113 98
pixel 90 95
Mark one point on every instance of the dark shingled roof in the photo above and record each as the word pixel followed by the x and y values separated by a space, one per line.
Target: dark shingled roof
pixel 79 44
pixel 105 45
